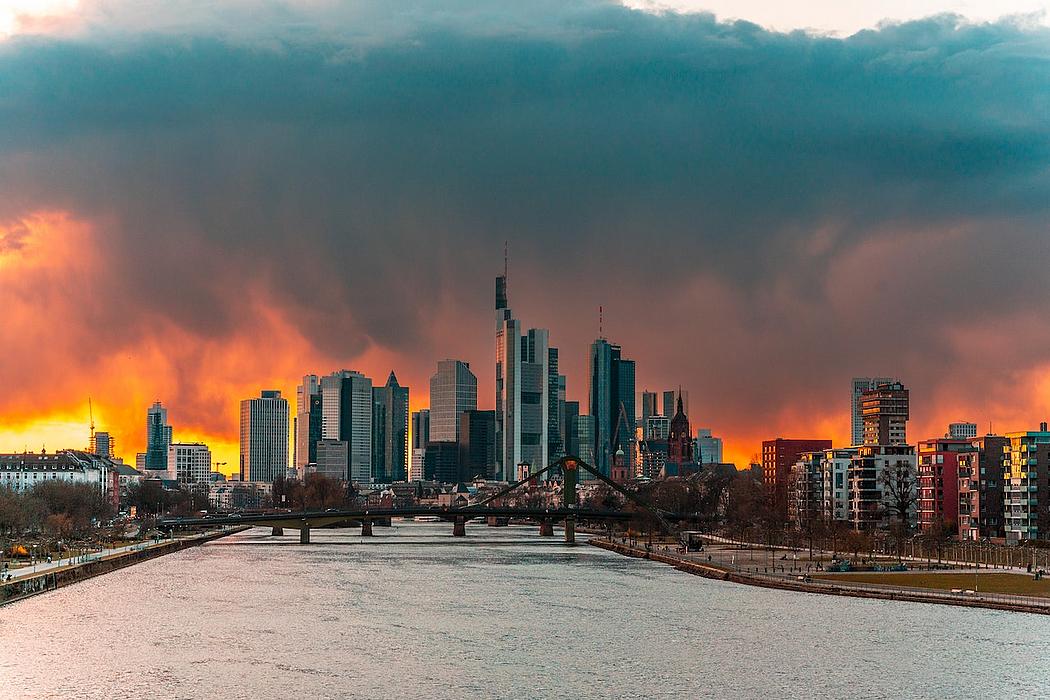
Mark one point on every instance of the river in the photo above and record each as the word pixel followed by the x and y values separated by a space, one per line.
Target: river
pixel 414 613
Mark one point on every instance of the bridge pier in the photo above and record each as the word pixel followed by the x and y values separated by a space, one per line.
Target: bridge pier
pixel 304 535
pixel 570 531
pixel 366 528
pixel 546 528
pixel 459 527
pixel 277 532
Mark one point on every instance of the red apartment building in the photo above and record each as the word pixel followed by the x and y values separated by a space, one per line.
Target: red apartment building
pixel 938 487
pixel 777 457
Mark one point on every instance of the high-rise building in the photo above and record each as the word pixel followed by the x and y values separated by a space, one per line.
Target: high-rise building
pixel 264 437
pixel 885 413
pixel 333 456
pixel 420 438
pixel 453 390
pixel 962 431
pixel 190 463
pixel 441 462
pixel 307 423
pixel 555 396
pixel 657 427
pixel 158 437
pixel 477 445
pixel 586 439
pixel 526 393
pixel 1026 485
pixel 611 402
pixel 390 432
pixel 708 447
pixel 981 489
pixel 570 434
pixel 649 407
pixel 103 444
pixel 860 385
pixel 669 402
pixel 346 414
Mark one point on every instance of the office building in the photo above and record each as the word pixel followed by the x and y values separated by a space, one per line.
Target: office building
pixel 264 437
pixel 390 432
pixel 860 385
pixel 527 388
pixel 586 438
pixel 453 390
pixel 420 438
pixel 981 489
pixel 570 429
pixel 938 474
pixel 332 459
pixel 611 402
pixel 307 423
pixel 1026 491
pixel 346 415
pixel 669 402
pixel 102 444
pixel 708 447
pixel 158 437
pixel 477 445
pixel 884 410
pixel 649 407
pixel 962 431
pixel 441 462
pixel 190 463
pixel 657 427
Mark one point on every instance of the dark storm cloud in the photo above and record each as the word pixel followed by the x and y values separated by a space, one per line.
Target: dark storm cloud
pixel 747 180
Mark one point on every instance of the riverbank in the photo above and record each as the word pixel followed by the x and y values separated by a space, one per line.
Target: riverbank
pixel 61 576
pixel 806 584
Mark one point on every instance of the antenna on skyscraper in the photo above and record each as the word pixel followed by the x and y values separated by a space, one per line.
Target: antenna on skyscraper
pixel 504 259
pixel 601 334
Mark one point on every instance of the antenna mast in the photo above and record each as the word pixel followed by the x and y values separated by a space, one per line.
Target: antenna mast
pixel 601 333
pixel 91 418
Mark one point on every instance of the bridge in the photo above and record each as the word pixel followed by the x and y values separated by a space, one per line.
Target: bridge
pixel 568 513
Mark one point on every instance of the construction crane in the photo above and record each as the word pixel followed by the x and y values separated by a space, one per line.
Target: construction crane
pixel 91 418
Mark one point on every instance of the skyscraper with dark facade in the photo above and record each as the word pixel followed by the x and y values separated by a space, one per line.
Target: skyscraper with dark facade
pixel 611 403
pixel 390 432
pixel 307 423
pixel 346 415
pixel 477 445
pixel 158 437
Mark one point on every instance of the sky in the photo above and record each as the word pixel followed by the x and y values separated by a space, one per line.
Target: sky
pixel 199 201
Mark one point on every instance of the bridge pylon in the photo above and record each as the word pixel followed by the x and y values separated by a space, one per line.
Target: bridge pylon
pixel 366 528
pixel 459 527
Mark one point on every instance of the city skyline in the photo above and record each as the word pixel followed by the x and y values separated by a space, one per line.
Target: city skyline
pixel 719 242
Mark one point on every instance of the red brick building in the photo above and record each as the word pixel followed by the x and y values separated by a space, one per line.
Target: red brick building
pixel 777 457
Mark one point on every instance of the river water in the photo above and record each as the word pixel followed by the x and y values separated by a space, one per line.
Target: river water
pixel 414 613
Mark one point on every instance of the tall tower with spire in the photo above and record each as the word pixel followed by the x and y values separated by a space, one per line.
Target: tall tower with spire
pixel 680 442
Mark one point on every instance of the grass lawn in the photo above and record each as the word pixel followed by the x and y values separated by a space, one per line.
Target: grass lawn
pixel 1018 584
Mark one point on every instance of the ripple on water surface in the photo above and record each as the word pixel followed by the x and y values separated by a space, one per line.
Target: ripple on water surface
pixel 501 614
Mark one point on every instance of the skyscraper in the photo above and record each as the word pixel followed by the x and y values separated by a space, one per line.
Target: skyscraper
pixel 346 415
pixel 453 389
pixel 526 393
pixel 420 438
pixel 102 444
pixel 158 437
pixel 307 423
pixel 669 400
pixel 390 432
pixel 570 431
pixel 649 407
pixel 477 445
pixel 264 437
pixel 709 447
pixel 611 403
pixel 860 385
